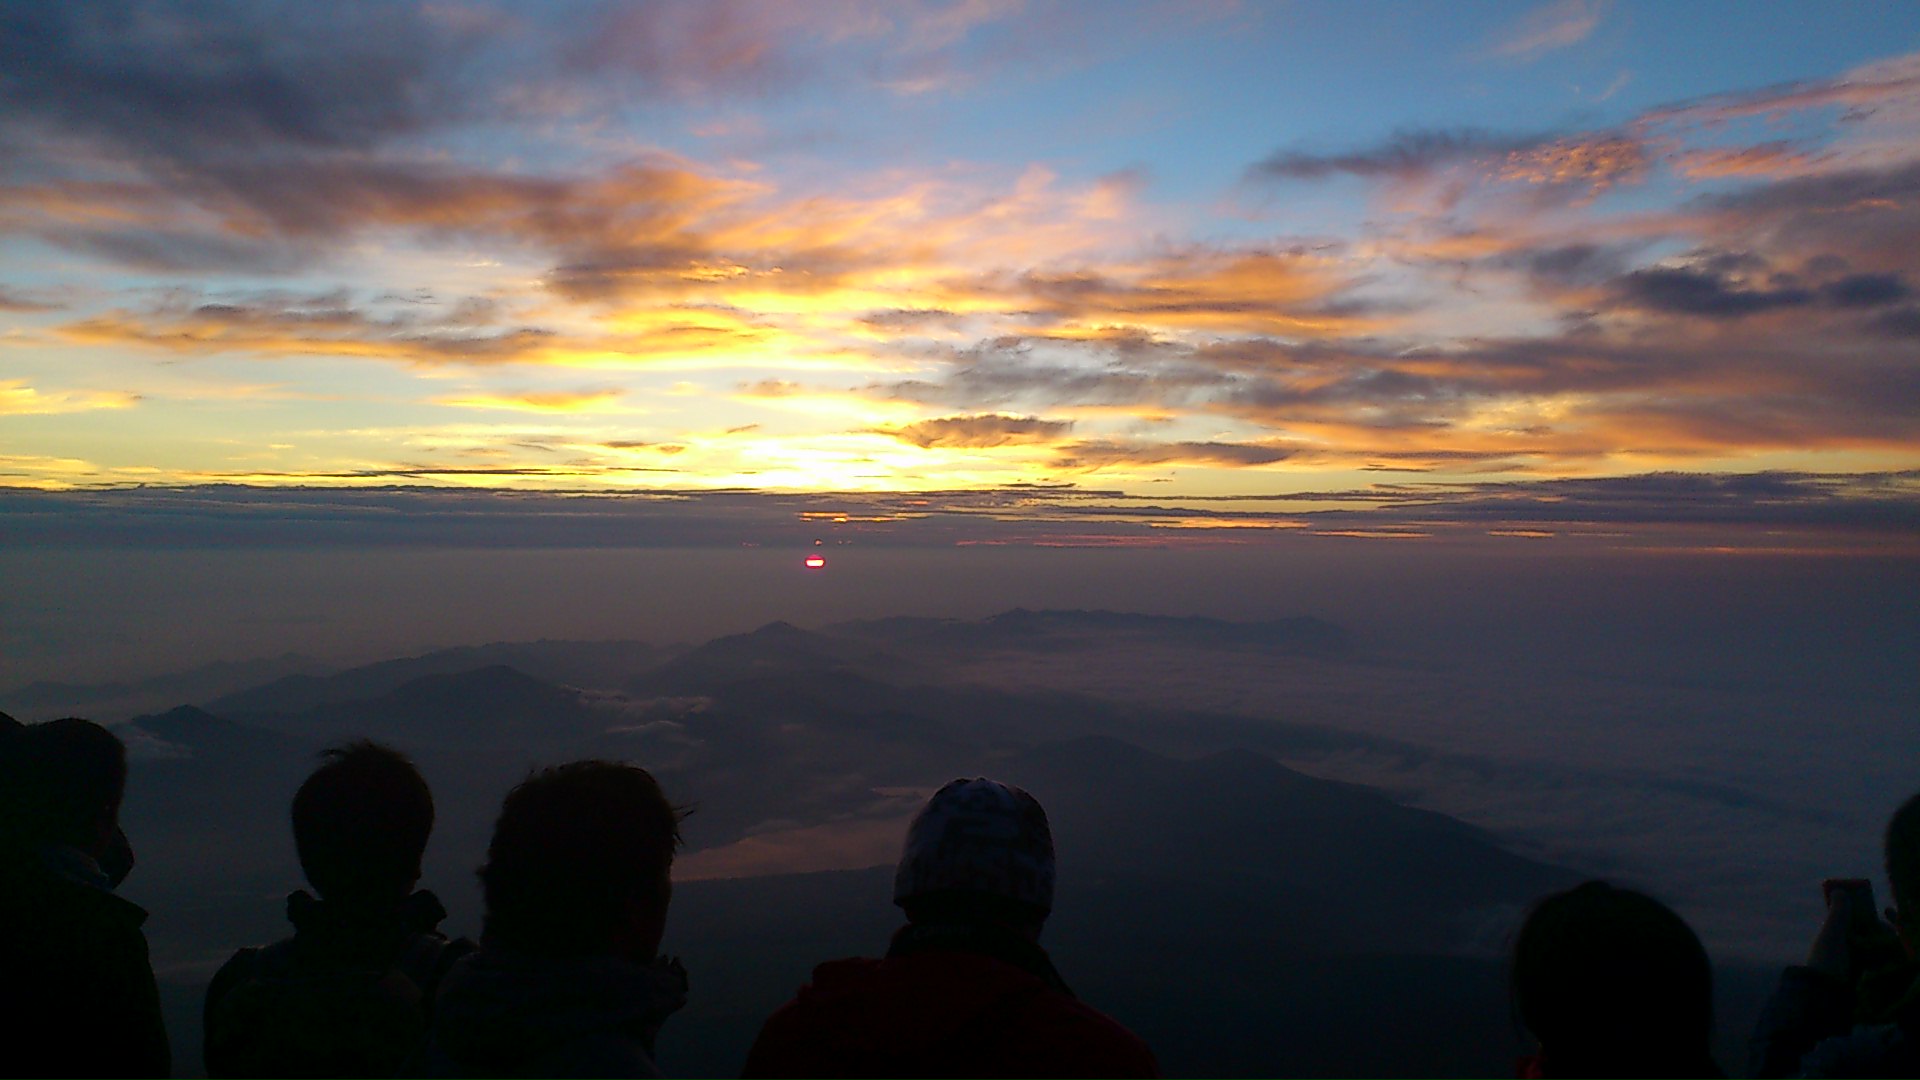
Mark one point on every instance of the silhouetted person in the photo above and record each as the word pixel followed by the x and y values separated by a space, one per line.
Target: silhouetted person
pixel 1854 1008
pixel 965 988
pixel 80 998
pixel 1613 983
pixel 349 993
pixel 116 862
pixel 568 980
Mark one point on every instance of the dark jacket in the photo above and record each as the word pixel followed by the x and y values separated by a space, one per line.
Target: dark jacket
pixel 1817 1025
pixel 502 1013
pixel 945 1002
pixel 80 999
pixel 1544 1066
pixel 348 994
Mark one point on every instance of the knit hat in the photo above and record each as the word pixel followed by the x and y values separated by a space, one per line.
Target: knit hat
pixel 979 836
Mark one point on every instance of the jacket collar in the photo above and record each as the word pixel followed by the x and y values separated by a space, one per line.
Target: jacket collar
pixel 980 940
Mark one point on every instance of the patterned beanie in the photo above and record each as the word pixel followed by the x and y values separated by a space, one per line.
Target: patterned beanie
pixel 980 836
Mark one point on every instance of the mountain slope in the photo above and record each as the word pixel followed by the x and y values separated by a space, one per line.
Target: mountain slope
pixel 1067 630
pixel 576 663
pixel 778 648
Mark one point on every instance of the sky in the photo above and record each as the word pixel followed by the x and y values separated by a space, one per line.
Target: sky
pixel 1233 262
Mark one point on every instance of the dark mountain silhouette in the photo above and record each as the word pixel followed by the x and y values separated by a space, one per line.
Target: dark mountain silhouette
pixel 1062 630
pixel 777 648
pixel 196 731
pixel 195 684
pixel 1334 866
pixel 211 807
pixel 490 706
pixel 590 665
pixel 1244 917
pixel 576 663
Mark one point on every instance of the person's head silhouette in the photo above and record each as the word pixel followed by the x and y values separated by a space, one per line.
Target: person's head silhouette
pixel 360 824
pixel 1613 983
pixel 1903 873
pixel 580 863
pixel 62 782
pixel 979 851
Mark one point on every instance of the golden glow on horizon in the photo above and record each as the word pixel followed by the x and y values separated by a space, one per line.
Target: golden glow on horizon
pixel 1673 289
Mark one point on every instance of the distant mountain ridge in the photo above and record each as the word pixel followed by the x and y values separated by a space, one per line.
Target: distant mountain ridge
pixel 1192 877
pixel 778 648
pixel 585 663
pixel 1020 627
pixel 194 684
pixel 889 649
pixel 1204 901
pixel 1338 867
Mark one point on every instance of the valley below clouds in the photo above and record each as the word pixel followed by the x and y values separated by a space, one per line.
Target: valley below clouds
pixel 1301 803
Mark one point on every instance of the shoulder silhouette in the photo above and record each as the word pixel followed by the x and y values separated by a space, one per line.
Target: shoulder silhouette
pixel 350 992
pixel 965 988
pixel 81 998
pixel 568 980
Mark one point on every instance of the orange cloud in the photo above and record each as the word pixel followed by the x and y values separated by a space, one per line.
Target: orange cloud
pixel 981 432
pixel 1599 161
pixel 1762 159
pixel 19 399
pixel 676 339
pixel 534 401
pixel 1095 455
pixel 1864 87
pixel 1284 293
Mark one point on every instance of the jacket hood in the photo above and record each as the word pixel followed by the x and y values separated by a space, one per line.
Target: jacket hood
pixel 498 1008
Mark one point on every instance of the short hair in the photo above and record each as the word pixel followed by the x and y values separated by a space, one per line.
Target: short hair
pixel 1613 977
pixel 59 778
pixel 361 822
pixel 574 847
pixel 1903 860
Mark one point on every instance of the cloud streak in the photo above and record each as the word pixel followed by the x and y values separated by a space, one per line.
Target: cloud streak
pixel 17 398
pixel 539 401
pixel 1549 28
pixel 1880 512
pixel 981 432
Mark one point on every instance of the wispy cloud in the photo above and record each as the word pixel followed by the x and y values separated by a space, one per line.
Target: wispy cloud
pixel 1621 511
pixel 980 432
pixel 1093 456
pixel 22 302
pixel 540 401
pixel 17 398
pixel 1548 28
pixel 1405 154
pixel 1775 158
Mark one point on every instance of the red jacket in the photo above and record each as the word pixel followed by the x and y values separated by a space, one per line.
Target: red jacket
pixel 941 1014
